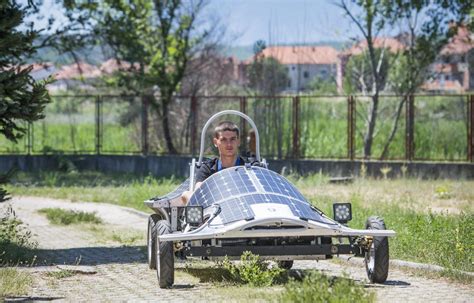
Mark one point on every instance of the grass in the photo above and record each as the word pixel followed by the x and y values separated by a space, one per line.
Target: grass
pixel 120 189
pixel 60 216
pixel 16 245
pixel 14 282
pixel 433 218
pixel 61 274
pixel 126 237
pixel 440 127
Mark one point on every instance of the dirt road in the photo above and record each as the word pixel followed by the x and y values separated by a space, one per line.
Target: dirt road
pixel 107 270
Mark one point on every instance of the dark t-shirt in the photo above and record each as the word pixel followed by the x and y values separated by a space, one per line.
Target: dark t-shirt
pixel 210 167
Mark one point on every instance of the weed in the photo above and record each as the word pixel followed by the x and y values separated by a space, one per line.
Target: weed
pixel 14 282
pixel 442 192
pixel 317 287
pixel 385 171
pixel 65 217
pixel 253 271
pixel 15 239
pixel 61 274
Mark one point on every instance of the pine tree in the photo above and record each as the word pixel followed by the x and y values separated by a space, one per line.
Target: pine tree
pixel 22 99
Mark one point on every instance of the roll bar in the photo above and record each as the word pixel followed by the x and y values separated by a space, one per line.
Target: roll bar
pixel 228 112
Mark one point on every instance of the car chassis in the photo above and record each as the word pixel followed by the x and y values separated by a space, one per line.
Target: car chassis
pixel 266 220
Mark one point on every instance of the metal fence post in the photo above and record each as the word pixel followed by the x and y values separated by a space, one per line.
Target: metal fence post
pixel 296 127
pixel 409 129
pixel 98 124
pixel 144 125
pixel 194 115
pixel 243 125
pixel 29 139
pixel 351 127
pixel 470 131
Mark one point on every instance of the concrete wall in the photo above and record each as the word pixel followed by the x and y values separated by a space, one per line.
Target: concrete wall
pixel 179 166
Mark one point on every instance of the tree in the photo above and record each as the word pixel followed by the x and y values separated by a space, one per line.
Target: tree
pixel 424 24
pixel 268 77
pixel 22 99
pixel 157 38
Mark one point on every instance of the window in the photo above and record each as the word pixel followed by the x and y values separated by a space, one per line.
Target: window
pixel 306 74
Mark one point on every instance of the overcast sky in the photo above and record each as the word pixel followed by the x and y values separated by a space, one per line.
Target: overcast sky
pixel 275 21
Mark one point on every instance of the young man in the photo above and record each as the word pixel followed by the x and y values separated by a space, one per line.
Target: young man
pixel 227 140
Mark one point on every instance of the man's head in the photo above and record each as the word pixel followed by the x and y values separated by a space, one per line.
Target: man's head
pixel 226 139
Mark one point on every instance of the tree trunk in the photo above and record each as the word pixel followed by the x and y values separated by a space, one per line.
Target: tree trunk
pixel 369 135
pixel 165 124
pixel 394 129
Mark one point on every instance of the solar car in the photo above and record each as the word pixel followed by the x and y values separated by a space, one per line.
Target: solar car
pixel 252 208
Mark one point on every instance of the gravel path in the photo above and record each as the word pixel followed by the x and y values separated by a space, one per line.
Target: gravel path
pixel 113 272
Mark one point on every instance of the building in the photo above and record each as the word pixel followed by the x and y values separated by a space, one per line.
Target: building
pixel 453 71
pixel 304 63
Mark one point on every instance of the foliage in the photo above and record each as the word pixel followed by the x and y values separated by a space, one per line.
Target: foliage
pixel 317 287
pixel 15 239
pixel 253 271
pixel 22 98
pixel 321 86
pixel 155 39
pixel 358 76
pixel 266 74
pixel 65 217
pixel 423 32
pixel 14 282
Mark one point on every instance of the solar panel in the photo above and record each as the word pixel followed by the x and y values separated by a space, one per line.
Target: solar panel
pixel 223 185
pixel 236 189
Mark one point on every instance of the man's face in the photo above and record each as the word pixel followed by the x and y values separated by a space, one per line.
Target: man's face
pixel 227 143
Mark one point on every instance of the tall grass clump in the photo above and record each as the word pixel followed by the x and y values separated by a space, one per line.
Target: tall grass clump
pixel 65 217
pixel 253 271
pixel 15 239
pixel 317 287
pixel 13 282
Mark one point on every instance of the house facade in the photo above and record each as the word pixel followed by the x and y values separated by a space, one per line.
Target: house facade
pixel 305 63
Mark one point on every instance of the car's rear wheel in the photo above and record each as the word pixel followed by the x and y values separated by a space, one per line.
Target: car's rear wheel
pixel 286 264
pixel 164 256
pixel 151 240
pixel 377 256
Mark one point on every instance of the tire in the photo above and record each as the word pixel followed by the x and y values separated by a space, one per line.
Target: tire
pixel 287 264
pixel 377 257
pixel 151 240
pixel 164 256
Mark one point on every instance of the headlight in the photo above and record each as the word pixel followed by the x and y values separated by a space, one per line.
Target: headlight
pixel 342 212
pixel 194 215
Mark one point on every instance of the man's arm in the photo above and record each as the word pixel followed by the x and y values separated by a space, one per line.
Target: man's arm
pixel 185 196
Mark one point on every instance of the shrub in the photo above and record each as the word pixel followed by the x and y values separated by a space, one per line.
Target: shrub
pixel 317 287
pixel 13 282
pixel 253 271
pixel 15 238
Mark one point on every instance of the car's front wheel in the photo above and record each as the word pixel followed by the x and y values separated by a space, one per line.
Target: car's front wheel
pixel 164 256
pixel 377 256
pixel 151 240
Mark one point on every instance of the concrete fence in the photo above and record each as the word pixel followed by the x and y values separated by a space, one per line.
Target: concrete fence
pixel 164 166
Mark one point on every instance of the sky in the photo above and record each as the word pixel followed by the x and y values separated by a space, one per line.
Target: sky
pixel 275 21
pixel 283 21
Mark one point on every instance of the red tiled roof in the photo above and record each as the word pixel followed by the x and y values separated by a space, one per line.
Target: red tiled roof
pixel 76 70
pixel 381 42
pixel 461 43
pixel 112 65
pixel 302 54
pixel 446 85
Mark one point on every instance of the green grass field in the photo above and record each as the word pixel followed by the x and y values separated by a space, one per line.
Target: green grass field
pixel 433 219
pixel 440 127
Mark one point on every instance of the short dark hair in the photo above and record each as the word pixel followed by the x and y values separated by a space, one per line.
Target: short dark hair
pixel 226 126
